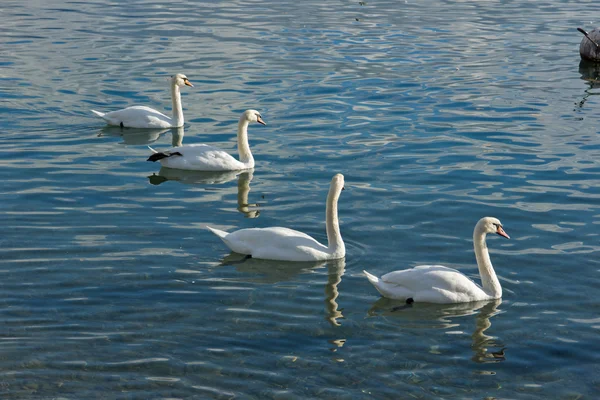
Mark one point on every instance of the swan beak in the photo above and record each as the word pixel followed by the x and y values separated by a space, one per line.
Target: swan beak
pixel 188 83
pixel 501 232
pixel 260 120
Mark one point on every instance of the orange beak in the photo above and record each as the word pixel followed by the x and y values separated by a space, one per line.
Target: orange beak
pixel 188 83
pixel 501 232
pixel 260 121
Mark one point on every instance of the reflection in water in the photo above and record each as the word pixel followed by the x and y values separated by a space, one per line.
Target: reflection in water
pixel 133 136
pixel 335 271
pixel 268 271
pixel 177 136
pixel 481 341
pixel 208 177
pixel 272 271
pixel 443 316
pixel 242 198
pixel 590 72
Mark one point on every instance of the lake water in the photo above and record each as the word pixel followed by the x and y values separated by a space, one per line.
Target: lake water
pixel 437 112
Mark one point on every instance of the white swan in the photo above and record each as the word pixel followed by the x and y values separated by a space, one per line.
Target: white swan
pixel 439 284
pixel 202 157
pixel 287 244
pixel 146 117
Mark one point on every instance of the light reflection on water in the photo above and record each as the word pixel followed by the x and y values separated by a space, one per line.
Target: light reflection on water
pixel 437 113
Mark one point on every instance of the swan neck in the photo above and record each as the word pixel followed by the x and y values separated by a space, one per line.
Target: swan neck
pixel 177 110
pixel 334 237
pixel 243 146
pixel 489 280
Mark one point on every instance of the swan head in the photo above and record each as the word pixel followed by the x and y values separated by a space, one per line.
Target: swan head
pixel 337 182
pixel 253 116
pixel 180 80
pixel 491 225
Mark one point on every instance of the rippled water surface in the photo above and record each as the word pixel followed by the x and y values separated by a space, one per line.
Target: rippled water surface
pixel 437 113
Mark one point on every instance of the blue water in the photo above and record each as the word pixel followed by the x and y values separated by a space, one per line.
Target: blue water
pixel 437 113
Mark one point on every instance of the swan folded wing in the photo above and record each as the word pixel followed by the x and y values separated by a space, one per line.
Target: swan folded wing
pixel 138 117
pixel 276 243
pixel 434 283
pixel 202 157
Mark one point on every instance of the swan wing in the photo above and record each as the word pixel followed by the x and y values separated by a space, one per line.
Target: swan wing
pixel 276 243
pixel 201 157
pixel 424 277
pixel 138 117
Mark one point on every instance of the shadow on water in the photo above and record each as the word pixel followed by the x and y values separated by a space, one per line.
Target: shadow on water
pixel 443 316
pixel 590 72
pixel 210 178
pixel 271 271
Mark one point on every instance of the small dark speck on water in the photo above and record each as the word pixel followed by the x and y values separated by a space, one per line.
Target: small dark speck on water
pixel 362 3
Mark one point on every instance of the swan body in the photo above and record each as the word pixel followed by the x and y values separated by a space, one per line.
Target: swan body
pixel 202 157
pixel 285 244
pixel 146 117
pixel 439 284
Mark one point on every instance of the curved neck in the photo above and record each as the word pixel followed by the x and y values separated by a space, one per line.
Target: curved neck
pixel 489 280
pixel 177 110
pixel 243 146
pixel 334 237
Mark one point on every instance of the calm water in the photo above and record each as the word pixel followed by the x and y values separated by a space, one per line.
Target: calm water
pixel 437 113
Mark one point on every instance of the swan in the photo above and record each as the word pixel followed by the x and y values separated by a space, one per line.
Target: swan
pixel 202 157
pixel 146 117
pixel 439 284
pixel 285 244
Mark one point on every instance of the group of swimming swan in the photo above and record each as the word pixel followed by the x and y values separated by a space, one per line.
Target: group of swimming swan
pixel 423 283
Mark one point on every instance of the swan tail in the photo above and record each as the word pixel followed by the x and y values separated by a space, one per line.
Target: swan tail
pixel 98 113
pixel 238 246
pixel 372 278
pixel 378 283
pixel 218 232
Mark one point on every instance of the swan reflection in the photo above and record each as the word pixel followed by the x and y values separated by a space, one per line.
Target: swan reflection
pixel 202 177
pixel 445 316
pixel 133 136
pixel 590 72
pixel 335 271
pixel 270 271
